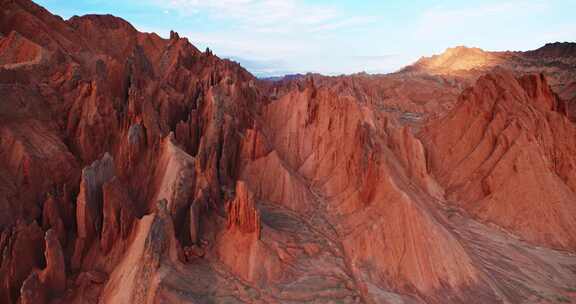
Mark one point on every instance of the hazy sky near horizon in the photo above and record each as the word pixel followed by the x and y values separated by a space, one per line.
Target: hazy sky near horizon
pixel 276 37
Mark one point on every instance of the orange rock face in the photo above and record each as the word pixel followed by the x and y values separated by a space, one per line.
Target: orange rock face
pixel 137 169
pixel 506 153
pixel 242 213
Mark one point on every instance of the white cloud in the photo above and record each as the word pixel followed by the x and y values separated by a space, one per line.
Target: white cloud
pixel 268 16
pixel 266 34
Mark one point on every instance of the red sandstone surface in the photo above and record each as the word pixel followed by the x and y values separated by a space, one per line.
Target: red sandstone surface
pixel 137 169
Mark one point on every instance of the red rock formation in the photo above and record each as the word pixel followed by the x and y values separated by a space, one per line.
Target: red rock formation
pixel 137 277
pixel 349 189
pixel 89 202
pixel 40 286
pixel 456 59
pixel 34 161
pixel 51 218
pixel 506 154
pixel 555 60
pixel 32 290
pixel 53 277
pixel 22 251
pixel 118 213
pixel 555 50
pixel 16 50
pixel 242 213
pixel 365 187
pixel 239 246
pixel 194 214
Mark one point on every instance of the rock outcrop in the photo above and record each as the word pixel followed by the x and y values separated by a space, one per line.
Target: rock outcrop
pixel 242 213
pixel 53 277
pixel 89 206
pixel 118 214
pixel 239 245
pixel 89 202
pixel 21 253
pixel 50 283
pixel 137 277
pixel 506 154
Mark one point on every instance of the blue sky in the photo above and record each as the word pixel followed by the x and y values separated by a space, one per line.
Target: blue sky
pixel 275 37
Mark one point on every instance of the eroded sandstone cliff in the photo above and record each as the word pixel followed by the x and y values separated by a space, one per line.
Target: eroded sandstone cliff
pixel 137 169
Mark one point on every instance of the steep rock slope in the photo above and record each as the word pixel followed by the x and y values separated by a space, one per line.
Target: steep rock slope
pixel 111 110
pixel 506 153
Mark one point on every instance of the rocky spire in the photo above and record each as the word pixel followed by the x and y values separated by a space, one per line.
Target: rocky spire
pixel 242 212
pixel 174 35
